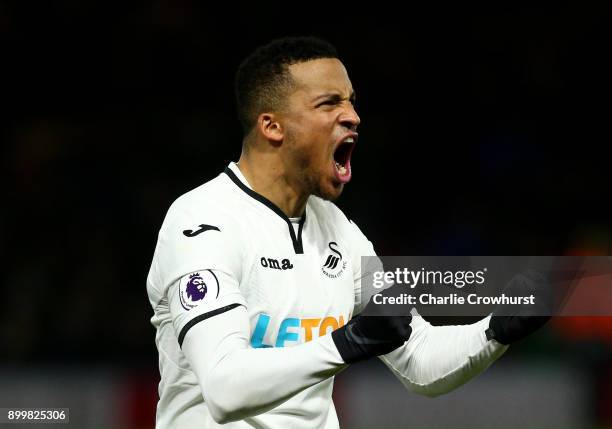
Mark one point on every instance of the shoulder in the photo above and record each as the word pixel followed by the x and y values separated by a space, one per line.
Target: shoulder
pixel 212 203
pixel 212 196
pixel 327 211
pixel 201 230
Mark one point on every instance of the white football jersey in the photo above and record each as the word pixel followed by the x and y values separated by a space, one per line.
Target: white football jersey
pixel 223 246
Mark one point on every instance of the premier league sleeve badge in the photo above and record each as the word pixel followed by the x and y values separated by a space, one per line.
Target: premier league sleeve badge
pixel 198 287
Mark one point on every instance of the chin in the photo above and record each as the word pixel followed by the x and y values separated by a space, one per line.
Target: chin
pixel 330 193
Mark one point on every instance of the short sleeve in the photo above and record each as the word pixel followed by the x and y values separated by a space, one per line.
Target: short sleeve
pixel 199 296
pixel 198 265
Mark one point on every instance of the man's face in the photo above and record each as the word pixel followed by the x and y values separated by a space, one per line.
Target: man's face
pixel 319 127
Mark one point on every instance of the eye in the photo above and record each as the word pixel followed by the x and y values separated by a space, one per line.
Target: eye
pixel 329 102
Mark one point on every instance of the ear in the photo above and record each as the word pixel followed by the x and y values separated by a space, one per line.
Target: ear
pixel 270 127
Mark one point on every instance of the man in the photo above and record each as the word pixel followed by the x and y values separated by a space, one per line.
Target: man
pixel 255 269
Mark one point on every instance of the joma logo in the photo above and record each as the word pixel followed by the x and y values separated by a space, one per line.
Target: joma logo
pixel 285 264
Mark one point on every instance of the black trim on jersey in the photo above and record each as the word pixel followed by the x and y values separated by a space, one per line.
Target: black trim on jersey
pixel 201 317
pixel 297 241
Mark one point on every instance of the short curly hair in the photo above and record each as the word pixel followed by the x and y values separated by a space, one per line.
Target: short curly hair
pixel 263 79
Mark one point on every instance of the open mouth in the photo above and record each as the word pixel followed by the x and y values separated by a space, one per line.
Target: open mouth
pixel 342 159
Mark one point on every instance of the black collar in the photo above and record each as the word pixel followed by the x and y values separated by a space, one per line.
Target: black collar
pixel 297 241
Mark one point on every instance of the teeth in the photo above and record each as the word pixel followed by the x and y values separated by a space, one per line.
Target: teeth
pixel 341 168
pixel 348 140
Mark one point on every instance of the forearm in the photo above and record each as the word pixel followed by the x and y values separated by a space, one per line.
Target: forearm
pixel 238 381
pixel 438 359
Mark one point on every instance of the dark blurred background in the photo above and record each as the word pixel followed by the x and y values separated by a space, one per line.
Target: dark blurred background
pixel 484 131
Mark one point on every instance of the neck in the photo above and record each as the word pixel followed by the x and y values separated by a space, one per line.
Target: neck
pixel 268 176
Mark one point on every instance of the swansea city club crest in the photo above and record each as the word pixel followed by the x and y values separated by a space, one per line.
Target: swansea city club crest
pixel 334 264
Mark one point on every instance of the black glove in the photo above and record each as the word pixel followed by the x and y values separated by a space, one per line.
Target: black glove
pixel 510 323
pixel 374 332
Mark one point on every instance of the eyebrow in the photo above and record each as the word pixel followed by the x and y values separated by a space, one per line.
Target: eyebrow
pixel 336 97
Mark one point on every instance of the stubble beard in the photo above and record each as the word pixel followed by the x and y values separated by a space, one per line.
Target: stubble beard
pixel 310 180
pixel 314 186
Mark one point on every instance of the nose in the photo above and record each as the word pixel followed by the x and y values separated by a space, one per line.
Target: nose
pixel 350 119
